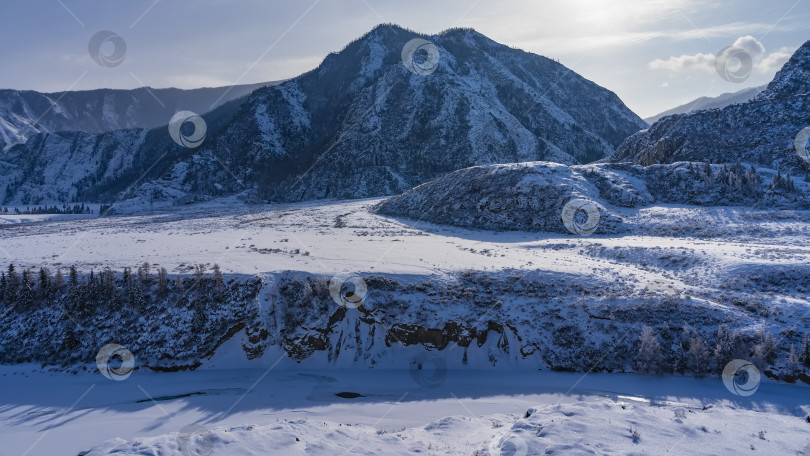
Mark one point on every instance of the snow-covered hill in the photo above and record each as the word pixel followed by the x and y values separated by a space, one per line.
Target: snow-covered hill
pixel 532 196
pixel 761 131
pixel 362 124
pixel 25 113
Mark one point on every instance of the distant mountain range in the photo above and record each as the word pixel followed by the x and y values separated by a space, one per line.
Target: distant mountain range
pixel 761 131
pixel 702 103
pixel 24 113
pixel 360 125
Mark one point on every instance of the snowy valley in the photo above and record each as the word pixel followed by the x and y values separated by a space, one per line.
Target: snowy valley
pixel 428 244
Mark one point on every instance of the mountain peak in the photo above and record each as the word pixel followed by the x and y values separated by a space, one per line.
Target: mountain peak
pixel 794 77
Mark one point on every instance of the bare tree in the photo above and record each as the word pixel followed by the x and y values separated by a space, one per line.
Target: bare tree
pixel 199 271
pixel 764 350
pixel 145 273
pixel 178 283
pixel 805 353
pixel 730 345
pixel 58 281
pixel 793 364
pixel 697 357
pixel 649 353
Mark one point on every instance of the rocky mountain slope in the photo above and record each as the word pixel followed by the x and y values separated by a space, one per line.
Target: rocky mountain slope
pixel 25 113
pixel 703 103
pixel 362 124
pixel 761 131
pixel 77 166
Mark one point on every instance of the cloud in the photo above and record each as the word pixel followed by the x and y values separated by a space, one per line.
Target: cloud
pixel 762 61
pixel 750 45
pixel 775 60
pixel 685 63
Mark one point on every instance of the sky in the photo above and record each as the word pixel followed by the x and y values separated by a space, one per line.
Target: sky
pixel 653 54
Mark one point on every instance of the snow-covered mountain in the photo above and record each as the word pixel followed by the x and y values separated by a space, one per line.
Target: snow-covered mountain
pixel 703 103
pixel 24 113
pixel 72 165
pixel 761 131
pixel 359 125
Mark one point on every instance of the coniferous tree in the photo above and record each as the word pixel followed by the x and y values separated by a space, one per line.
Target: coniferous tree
pixel 162 282
pixel 219 282
pixel 27 294
pixel 107 291
pixel 12 285
pixel 74 277
pixel 136 298
pixel 44 283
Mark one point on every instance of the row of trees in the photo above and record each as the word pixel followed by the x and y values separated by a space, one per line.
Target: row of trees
pixel 65 209
pixel 698 357
pixel 81 293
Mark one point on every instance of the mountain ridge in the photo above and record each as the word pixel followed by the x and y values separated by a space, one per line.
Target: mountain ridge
pixel 24 113
pixel 361 124
pixel 761 131
pixel 704 103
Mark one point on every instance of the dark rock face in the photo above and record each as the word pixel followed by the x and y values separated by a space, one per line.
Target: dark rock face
pixel 761 131
pixel 513 318
pixel 362 124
